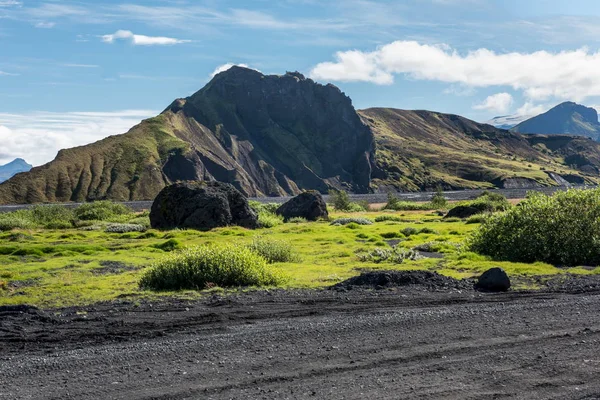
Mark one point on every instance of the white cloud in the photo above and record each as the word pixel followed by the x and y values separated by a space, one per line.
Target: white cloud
pixel 37 136
pixel 541 75
pixel 499 102
pixel 10 3
pixel 2 73
pixel 530 108
pixel 225 67
pixel 45 25
pixel 141 40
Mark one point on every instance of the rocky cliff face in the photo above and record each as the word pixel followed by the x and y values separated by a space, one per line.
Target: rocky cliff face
pixel 266 135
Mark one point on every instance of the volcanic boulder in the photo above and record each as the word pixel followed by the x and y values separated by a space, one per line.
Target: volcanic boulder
pixel 201 205
pixel 309 205
pixel 493 280
pixel 462 212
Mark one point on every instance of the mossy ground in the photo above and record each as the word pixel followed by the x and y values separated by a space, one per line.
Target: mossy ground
pixel 51 268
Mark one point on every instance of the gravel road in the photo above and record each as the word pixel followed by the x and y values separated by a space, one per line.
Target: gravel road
pixel 373 198
pixel 405 343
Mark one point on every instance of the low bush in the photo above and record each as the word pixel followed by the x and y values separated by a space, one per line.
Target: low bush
pixel 438 200
pixel 391 235
pixel 210 265
pixel 395 255
pixel 428 231
pixel 9 222
pixel 395 204
pixel 100 211
pixel 346 221
pixel 341 202
pixel 561 229
pixel 477 219
pixel 259 207
pixel 169 245
pixel 52 216
pixel 409 231
pixel 144 221
pixel 273 250
pixel 390 218
pixel 269 220
pixel 124 228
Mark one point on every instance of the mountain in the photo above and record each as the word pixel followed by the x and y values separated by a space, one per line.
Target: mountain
pixel 273 135
pixel 418 150
pixel 566 118
pixel 267 135
pixel 508 121
pixel 9 170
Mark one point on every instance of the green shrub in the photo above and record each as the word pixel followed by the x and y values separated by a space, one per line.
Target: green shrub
pixel 220 265
pixel 477 219
pixel 52 216
pixel 409 231
pixel 394 204
pixel 391 235
pixel 340 199
pixel 438 200
pixel 269 220
pixel 356 207
pixel 169 245
pixel 140 220
pixel 392 218
pixel 297 220
pixel 346 221
pixel 100 211
pixel 352 225
pixel 259 207
pixel 395 255
pixel 428 231
pixel 273 250
pixel 9 222
pixel 124 228
pixel 452 219
pixel 561 229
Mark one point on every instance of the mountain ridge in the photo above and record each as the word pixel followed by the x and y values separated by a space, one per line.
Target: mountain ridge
pixel 565 118
pixel 274 135
pixel 12 168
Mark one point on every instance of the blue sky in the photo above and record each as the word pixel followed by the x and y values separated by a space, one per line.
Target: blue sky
pixel 72 72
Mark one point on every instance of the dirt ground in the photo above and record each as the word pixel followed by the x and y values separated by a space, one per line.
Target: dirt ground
pixel 347 343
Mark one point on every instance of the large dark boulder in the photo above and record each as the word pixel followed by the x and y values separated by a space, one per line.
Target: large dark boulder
pixel 493 280
pixel 309 205
pixel 463 212
pixel 202 206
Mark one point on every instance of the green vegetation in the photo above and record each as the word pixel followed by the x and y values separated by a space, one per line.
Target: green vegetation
pixel 208 266
pixel 62 267
pixel 273 250
pixel 341 202
pixel 269 220
pixel 352 220
pixel 561 229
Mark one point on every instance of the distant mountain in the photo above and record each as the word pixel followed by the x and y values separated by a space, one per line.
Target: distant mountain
pixel 566 118
pixel 9 170
pixel 508 121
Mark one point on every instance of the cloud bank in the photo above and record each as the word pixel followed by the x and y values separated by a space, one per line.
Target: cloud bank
pixel 38 136
pixel 500 103
pixel 141 40
pixel 540 75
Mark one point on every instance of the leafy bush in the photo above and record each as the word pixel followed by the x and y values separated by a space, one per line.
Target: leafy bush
pixel 9 222
pixel 352 225
pixel 393 218
pixel 52 216
pixel 395 255
pixel 346 221
pixel 144 221
pixel 477 219
pixel 124 228
pixel 409 231
pixel 100 211
pixel 297 220
pixel 220 265
pixel 562 229
pixel 340 199
pixel 438 200
pixel 169 245
pixel 428 231
pixel 391 235
pixel 259 207
pixel 273 250
pixel 269 220
pixel 396 204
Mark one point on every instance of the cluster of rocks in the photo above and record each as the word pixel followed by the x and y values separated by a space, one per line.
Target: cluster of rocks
pixel 205 205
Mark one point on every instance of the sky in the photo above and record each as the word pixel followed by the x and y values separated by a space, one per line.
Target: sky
pixel 73 72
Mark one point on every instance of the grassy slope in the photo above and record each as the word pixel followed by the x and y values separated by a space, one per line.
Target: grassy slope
pixel 121 167
pixel 57 268
pixel 423 149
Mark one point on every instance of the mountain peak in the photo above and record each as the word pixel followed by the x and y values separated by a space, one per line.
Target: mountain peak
pixel 566 118
pixel 9 170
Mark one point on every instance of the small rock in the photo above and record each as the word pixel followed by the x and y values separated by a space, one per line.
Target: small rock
pixel 493 280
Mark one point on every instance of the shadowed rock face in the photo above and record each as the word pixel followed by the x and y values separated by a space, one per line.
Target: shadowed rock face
pixel 309 205
pixel 202 206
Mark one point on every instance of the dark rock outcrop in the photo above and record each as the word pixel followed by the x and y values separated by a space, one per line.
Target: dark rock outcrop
pixel 493 280
pixel 462 212
pixel 202 206
pixel 309 205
